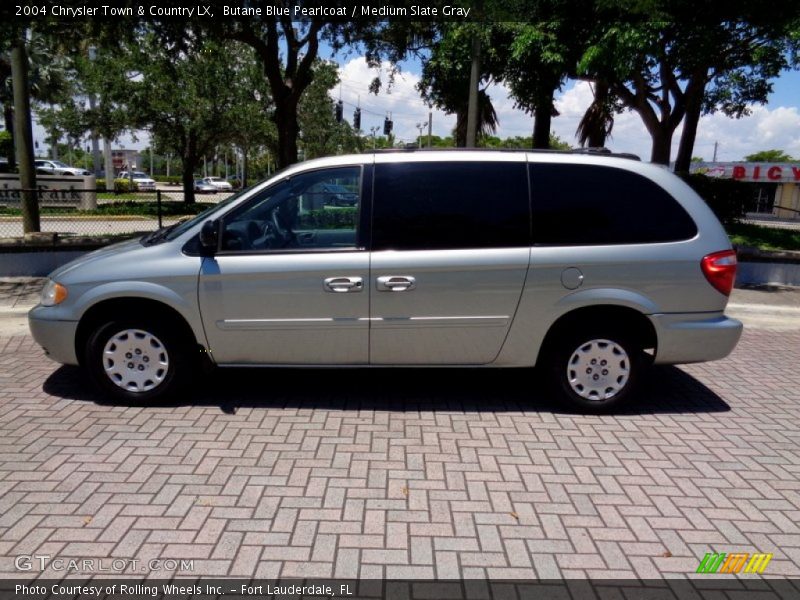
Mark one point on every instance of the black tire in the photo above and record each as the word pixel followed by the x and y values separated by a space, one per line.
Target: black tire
pixel 608 386
pixel 165 383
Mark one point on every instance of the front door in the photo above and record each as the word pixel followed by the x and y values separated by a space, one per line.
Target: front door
pixel 290 282
pixel 450 256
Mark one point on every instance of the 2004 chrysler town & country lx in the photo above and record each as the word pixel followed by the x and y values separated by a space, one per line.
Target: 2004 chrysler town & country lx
pixel 593 266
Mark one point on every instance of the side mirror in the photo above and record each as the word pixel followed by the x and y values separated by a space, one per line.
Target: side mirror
pixel 209 237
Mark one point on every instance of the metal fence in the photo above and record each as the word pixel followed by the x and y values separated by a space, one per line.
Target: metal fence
pixel 97 213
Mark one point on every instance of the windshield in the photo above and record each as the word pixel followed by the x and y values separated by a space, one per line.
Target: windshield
pixel 186 225
pixel 58 163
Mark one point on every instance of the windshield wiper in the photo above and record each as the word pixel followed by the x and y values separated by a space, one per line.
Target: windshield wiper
pixel 159 234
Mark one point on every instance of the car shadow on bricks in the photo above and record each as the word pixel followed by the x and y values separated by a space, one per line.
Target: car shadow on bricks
pixel 667 390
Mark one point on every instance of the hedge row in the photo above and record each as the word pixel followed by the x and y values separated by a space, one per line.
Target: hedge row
pixel 728 198
pixel 120 185
pixel 340 218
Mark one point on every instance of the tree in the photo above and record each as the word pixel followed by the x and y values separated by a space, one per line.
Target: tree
pixel 251 128
pixel 774 156
pixel 445 77
pixel 189 119
pixel 320 134
pixel 46 75
pixel 543 51
pixel 288 48
pixel 678 60
pixel 598 121
pixel 522 143
pixel 103 73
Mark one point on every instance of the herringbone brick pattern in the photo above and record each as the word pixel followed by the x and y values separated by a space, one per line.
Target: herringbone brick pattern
pixel 406 473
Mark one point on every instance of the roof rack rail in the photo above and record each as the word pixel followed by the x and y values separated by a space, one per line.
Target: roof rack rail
pixel 599 151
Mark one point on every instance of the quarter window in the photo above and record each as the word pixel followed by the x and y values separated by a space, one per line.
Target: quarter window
pixel 316 210
pixel 593 205
pixel 450 205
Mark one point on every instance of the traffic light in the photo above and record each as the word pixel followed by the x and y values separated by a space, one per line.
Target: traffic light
pixel 339 111
pixel 387 126
pixel 357 119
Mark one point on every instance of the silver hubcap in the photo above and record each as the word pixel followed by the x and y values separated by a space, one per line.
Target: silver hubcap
pixel 135 360
pixel 598 370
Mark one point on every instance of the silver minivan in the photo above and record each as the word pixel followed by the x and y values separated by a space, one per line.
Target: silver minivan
pixel 590 266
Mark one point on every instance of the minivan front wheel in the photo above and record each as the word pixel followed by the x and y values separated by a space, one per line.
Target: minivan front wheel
pixel 596 372
pixel 136 361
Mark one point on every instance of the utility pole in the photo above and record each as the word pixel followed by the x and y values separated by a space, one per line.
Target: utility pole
pixel 715 151
pixel 23 135
pixel 430 126
pixel 108 164
pixel 474 82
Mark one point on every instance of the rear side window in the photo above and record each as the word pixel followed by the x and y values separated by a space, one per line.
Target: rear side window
pixel 593 205
pixel 450 205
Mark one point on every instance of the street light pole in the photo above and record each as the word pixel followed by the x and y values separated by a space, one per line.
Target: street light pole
pixel 420 128
pixel 95 138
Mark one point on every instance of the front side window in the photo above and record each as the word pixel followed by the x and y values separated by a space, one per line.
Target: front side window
pixel 450 205
pixel 303 212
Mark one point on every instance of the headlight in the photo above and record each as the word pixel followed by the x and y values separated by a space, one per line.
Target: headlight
pixel 53 293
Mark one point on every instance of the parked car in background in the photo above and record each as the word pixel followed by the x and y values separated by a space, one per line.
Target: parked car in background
pixel 201 186
pixel 333 194
pixel 141 180
pixel 218 183
pixel 56 167
pixel 589 267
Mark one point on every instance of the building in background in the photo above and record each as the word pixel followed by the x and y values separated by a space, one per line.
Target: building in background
pixel 776 186
pixel 126 160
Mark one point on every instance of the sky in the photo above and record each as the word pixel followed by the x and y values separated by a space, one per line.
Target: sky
pixel 775 125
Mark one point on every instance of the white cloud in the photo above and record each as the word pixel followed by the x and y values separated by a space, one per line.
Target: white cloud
pixel 401 99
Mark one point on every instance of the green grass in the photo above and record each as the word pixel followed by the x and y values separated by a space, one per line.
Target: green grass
pixel 125 196
pixel 124 207
pixel 764 238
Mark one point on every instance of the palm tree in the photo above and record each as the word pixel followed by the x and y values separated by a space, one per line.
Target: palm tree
pixel 598 120
pixel 47 76
pixel 487 119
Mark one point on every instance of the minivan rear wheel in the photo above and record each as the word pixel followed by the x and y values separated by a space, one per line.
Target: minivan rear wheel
pixel 596 371
pixel 137 361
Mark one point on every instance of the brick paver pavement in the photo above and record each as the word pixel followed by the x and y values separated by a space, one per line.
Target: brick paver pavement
pixel 406 473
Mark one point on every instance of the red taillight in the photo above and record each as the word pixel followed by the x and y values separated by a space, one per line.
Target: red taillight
pixel 720 270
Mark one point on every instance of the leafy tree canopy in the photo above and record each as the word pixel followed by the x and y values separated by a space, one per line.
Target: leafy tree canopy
pixel 769 156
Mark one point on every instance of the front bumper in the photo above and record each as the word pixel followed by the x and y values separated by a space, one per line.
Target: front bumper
pixel 694 337
pixel 57 338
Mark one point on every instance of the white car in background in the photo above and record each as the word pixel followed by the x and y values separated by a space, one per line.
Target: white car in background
pixel 218 183
pixel 141 180
pixel 56 167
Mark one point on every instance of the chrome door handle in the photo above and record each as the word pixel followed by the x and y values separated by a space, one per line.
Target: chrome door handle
pixel 396 283
pixel 343 284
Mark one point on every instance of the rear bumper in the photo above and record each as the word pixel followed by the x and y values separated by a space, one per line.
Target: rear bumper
pixel 694 337
pixel 57 338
